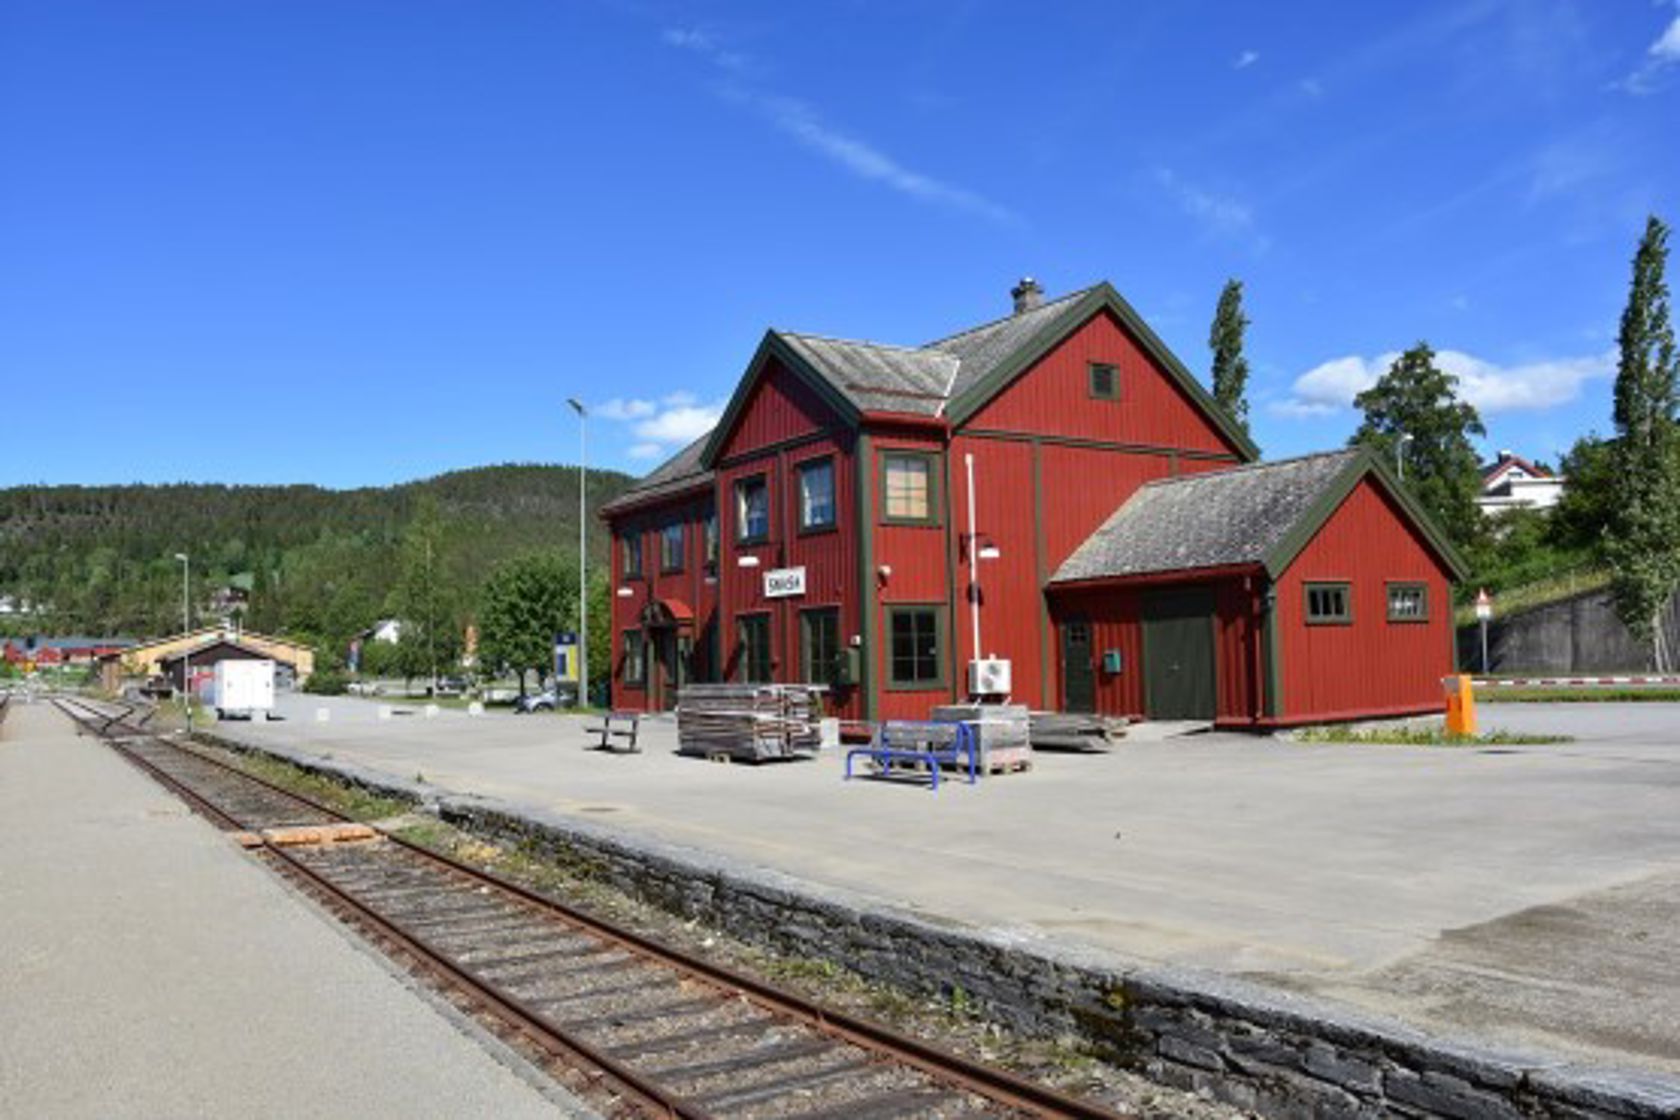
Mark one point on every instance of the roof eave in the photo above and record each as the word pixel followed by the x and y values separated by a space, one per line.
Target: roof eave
pixel 1101 296
pixel 773 345
pixel 1366 462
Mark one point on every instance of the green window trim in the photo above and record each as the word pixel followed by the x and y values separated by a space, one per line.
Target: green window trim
pixel 1102 381
pixel 758 621
pixel 1328 602
pixel 672 533
pixel 809 468
pixel 819 644
pixel 740 490
pixel 633 673
pixel 711 541
pixel 1407 585
pixel 931 462
pixel 941 678
pixel 632 554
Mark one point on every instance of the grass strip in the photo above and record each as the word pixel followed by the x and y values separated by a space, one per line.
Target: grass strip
pixel 1424 737
pixel 1579 694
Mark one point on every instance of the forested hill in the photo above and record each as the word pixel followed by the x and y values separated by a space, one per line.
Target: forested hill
pixel 323 563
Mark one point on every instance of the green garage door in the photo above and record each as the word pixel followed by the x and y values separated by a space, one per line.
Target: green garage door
pixel 1178 654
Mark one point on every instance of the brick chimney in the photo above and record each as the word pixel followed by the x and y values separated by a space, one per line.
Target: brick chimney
pixel 1027 294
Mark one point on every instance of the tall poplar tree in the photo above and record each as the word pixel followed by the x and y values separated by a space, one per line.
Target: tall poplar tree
pixel 1642 539
pixel 1413 410
pixel 1230 367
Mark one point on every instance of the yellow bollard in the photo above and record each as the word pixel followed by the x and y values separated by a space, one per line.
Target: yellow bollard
pixel 1461 704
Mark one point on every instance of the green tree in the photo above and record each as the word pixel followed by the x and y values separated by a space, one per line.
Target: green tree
pixel 1581 517
pixel 1642 542
pixel 427 598
pixel 1230 367
pixel 1418 400
pixel 525 602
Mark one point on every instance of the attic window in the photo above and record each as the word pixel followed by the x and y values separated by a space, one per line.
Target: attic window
pixel 1104 381
pixel 1408 602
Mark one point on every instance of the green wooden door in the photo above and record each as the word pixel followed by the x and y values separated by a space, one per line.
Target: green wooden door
pixel 1178 664
pixel 1079 678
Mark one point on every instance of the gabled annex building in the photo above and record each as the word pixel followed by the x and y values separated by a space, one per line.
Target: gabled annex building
pixel 1120 549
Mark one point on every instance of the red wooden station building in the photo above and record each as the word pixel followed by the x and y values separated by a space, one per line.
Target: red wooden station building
pixel 1055 482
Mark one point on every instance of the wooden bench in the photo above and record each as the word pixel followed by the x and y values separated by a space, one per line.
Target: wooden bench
pixel 617 725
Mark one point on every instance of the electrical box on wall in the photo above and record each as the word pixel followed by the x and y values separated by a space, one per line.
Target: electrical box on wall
pixel 848 666
pixel 1112 661
pixel 989 676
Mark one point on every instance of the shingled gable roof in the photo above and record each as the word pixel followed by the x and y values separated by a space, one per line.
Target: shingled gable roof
pixel 1260 515
pixel 949 378
pixel 680 473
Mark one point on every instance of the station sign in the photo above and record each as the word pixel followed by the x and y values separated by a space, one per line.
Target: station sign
pixel 781 583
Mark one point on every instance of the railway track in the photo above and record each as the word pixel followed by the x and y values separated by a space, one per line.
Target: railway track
pixel 666 1033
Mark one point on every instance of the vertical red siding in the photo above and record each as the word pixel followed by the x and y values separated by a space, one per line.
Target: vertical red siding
pixel 919 556
pixel 781 408
pixel 1114 614
pixel 1053 397
pixel 1371 665
pixel 691 586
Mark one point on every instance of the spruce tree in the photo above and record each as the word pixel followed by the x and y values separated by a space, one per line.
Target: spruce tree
pixel 1642 541
pixel 1230 367
pixel 1418 399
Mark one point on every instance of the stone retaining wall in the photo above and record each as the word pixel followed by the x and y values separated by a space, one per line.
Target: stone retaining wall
pixel 1254 1047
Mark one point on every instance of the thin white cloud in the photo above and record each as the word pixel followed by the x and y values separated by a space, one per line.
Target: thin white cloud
pixel 1312 87
pixel 657 429
pixel 620 408
pixel 678 425
pixel 706 46
pixel 1660 56
pixel 799 120
pixel 1220 216
pixel 1245 60
pixel 1330 387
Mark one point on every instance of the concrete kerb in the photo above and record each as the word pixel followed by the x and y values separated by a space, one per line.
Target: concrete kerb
pixel 1255 1047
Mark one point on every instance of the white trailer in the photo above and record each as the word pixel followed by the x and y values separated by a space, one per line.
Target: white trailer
pixel 242 689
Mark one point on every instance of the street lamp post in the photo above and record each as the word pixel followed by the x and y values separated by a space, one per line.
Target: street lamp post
pixel 583 550
pixel 186 628
pixel 1400 454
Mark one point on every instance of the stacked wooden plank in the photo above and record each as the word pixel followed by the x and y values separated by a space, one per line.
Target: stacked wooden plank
pixel 749 722
pixel 1074 731
pixel 1001 731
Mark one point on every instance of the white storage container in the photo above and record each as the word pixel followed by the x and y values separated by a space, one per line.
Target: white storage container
pixel 242 689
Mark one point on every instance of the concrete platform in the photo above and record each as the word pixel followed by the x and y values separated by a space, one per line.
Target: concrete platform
pixel 1522 895
pixel 148 968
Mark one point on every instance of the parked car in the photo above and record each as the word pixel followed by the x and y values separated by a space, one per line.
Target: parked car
pixel 535 702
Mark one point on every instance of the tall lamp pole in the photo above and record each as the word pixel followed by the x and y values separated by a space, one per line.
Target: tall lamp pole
pixel 583 550
pixel 1400 454
pixel 186 628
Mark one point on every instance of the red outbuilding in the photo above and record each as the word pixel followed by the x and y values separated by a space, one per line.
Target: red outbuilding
pixel 1120 551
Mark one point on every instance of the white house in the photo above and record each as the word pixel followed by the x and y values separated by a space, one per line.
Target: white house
pixel 1512 482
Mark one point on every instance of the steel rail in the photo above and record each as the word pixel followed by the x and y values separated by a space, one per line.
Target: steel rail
pixel 556 1042
pixel 994 1084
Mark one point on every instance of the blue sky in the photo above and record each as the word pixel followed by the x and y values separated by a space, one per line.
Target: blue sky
pixel 355 243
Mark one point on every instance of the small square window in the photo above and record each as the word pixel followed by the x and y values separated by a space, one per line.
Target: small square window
pixel 1408 602
pixel 907 490
pixel 913 644
pixel 1329 604
pixel 1105 381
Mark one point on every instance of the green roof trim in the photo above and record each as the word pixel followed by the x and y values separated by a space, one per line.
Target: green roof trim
pixel 1366 463
pixel 1101 297
pixel 772 346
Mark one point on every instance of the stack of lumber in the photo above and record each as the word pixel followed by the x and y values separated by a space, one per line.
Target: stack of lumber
pixel 1076 732
pixel 749 722
pixel 1002 732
